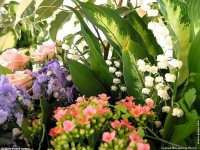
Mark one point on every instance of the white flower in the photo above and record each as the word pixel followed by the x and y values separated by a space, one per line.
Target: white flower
pixel 145 7
pixel 158 124
pixel 118 73
pixel 149 81
pixel 55 94
pixel 177 112
pixel 116 81
pixel 145 91
pixel 153 69
pixel 108 62
pixel 163 94
pixel 142 68
pixel 149 100
pixel 69 78
pixel 161 58
pixel 117 64
pixel 72 51
pixel 175 63
pixel 162 65
pixel 159 79
pixel 166 109
pixel 147 68
pixel 148 1
pixel 152 12
pixel 70 56
pixel 113 88
pixel 123 88
pixel 141 62
pixel 159 86
pixel 170 77
pixel 151 25
pixel 112 69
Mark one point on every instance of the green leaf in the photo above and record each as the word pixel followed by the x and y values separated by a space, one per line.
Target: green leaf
pixel 4 70
pixel 194 55
pixel 195 16
pixel 7 40
pixel 185 129
pixel 97 62
pixel 180 30
pixel 21 9
pixel 133 79
pixel 126 116
pixel 47 8
pixel 140 132
pixel 61 18
pixel 147 36
pixel 190 97
pixel 121 107
pixel 85 79
pixel 117 30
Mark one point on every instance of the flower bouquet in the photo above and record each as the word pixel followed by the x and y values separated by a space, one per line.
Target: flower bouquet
pixel 124 77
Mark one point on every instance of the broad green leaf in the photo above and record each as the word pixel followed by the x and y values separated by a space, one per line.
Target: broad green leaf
pixel 180 30
pixel 187 128
pixel 133 78
pixel 97 62
pixel 117 30
pixel 195 16
pixel 7 40
pixel 140 132
pixel 194 55
pixel 85 79
pixel 4 70
pixel 21 9
pixel 61 18
pixel 147 36
pixel 47 8
pixel 121 107
pixel 190 97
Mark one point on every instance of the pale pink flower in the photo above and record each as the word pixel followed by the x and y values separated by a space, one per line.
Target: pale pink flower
pixel 68 125
pixel 89 111
pixel 104 97
pixel 141 146
pixel 60 114
pixel 116 124
pixel 20 78
pixel 108 137
pixel 134 136
pixel 13 59
pixel 43 52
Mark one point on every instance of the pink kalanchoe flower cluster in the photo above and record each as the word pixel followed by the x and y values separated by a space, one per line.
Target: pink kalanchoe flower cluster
pixel 137 110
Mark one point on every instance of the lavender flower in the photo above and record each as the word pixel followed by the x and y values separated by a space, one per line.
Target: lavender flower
pixel 8 93
pixel 3 116
pixel 54 80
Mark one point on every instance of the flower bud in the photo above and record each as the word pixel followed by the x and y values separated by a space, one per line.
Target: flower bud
pixel 158 124
pixel 112 69
pixel 177 112
pixel 146 91
pixel 113 88
pixel 108 62
pixel 170 77
pixel 166 109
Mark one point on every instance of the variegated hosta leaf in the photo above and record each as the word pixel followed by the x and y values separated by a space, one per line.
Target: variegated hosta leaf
pixel 195 16
pixel 176 15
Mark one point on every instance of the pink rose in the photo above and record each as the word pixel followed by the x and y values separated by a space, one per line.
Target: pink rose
pixel 108 137
pixel 13 59
pixel 43 52
pixel 20 78
pixel 68 125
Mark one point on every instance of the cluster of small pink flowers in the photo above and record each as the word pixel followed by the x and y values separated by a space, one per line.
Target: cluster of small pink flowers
pixel 123 135
pixel 135 110
pixel 80 121
pixel 92 120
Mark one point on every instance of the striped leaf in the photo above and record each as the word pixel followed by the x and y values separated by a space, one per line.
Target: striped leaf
pixel 7 40
pixel 195 16
pixel 176 14
pixel 147 36
pixel 123 37
pixel 97 62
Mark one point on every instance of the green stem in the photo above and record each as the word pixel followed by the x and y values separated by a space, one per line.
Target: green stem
pixel 174 90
